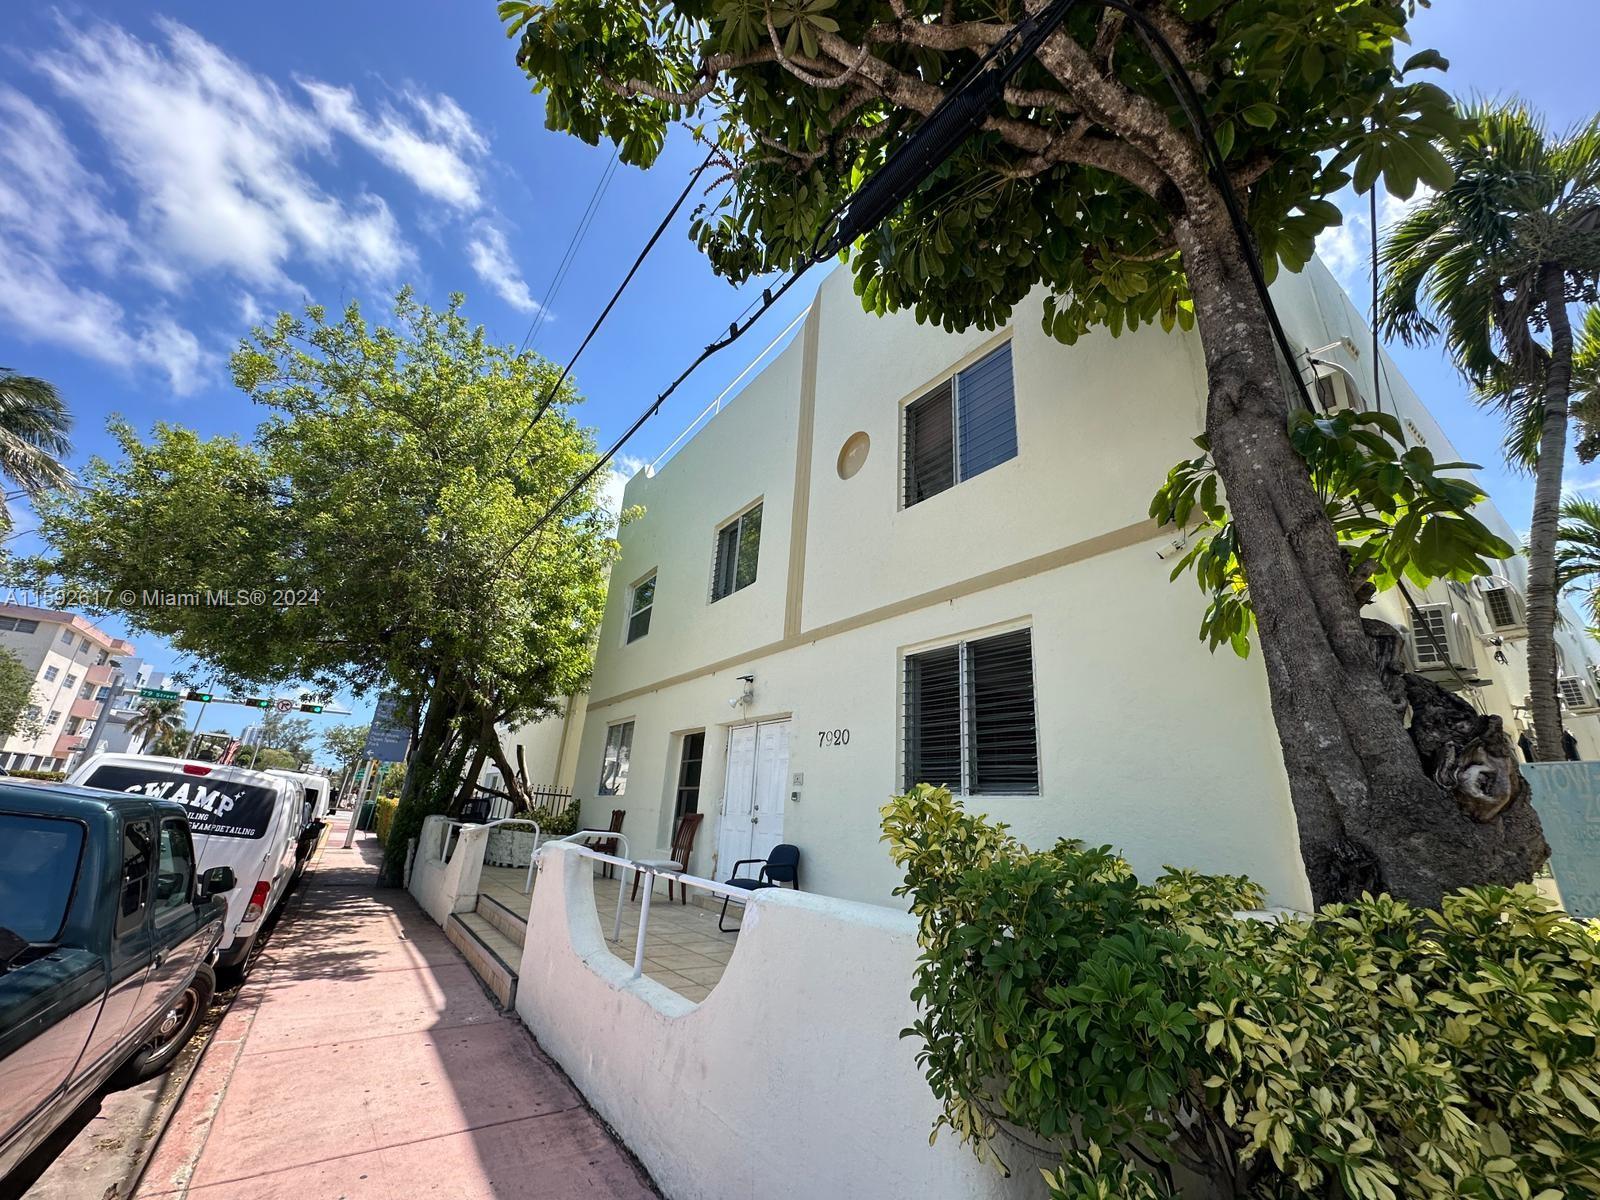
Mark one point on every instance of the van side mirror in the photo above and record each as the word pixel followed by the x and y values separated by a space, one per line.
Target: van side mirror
pixel 216 881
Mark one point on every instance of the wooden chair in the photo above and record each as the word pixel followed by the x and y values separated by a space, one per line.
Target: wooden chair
pixel 608 845
pixel 676 859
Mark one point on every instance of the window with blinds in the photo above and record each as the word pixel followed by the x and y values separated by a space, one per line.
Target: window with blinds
pixel 962 428
pixel 738 548
pixel 970 723
pixel 640 603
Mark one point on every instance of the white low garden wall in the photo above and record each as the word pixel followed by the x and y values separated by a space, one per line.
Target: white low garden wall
pixel 790 1079
pixel 447 887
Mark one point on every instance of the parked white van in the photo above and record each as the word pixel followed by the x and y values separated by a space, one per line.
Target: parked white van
pixel 248 820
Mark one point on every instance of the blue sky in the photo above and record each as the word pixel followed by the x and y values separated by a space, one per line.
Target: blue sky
pixel 173 172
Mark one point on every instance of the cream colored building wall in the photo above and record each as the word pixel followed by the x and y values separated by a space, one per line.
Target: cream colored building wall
pixel 1147 742
pixel 549 747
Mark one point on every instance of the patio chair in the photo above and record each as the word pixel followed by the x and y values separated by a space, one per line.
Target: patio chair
pixel 778 868
pixel 608 845
pixel 676 859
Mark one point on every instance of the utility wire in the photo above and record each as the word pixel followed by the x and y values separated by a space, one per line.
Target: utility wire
pixel 953 119
pixel 579 232
pixel 550 397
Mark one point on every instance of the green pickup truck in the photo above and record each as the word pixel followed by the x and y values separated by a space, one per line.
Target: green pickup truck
pixel 105 932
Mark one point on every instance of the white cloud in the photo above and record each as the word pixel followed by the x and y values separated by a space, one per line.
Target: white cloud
pixel 214 152
pixel 37 303
pixel 1347 248
pixel 210 179
pixel 437 168
pixel 490 257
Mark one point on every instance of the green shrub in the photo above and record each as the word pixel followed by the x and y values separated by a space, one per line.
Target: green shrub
pixel 46 776
pixel 383 817
pixel 1150 1034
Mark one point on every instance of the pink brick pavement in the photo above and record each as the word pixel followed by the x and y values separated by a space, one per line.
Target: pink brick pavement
pixel 363 1061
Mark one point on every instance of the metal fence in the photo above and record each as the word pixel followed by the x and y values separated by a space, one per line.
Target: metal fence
pixel 544 802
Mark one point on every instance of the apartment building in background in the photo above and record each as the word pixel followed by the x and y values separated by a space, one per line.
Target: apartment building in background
pixel 74 664
pixel 904 554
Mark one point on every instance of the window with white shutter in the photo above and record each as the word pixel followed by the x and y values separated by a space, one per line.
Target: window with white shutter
pixel 962 428
pixel 970 722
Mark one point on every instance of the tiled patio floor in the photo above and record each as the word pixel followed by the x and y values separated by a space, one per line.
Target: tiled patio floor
pixel 684 949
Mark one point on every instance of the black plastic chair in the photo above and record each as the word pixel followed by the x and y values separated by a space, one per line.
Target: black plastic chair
pixel 778 868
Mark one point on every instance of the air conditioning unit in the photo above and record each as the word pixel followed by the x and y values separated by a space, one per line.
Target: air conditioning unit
pixel 1439 645
pixel 1335 392
pixel 1508 613
pixel 1577 694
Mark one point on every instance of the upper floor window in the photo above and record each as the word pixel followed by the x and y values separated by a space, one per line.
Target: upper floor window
pixel 50 674
pixel 640 601
pixel 67 636
pixel 70 682
pixel 17 625
pixel 54 717
pixel 962 428
pixel 738 547
pixel 970 723
pixel 614 766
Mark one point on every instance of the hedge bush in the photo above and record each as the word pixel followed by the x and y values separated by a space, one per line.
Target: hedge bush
pixel 551 824
pixel 383 817
pixel 1164 1045
pixel 47 776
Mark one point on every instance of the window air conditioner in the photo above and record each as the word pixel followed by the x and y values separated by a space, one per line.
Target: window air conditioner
pixel 1577 694
pixel 1508 614
pixel 1438 645
pixel 1335 393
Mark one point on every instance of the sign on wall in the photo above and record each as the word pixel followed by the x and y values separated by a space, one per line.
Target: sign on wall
pixel 1566 796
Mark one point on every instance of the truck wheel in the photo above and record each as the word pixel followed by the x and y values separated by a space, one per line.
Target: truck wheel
pixel 176 1028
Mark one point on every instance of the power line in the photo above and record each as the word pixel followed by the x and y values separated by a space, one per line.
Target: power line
pixel 550 397
pixel 579 232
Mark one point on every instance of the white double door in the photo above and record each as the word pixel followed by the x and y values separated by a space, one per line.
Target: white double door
pixel 754 791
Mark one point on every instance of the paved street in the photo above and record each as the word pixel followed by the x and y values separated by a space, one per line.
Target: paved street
pixel 364 1061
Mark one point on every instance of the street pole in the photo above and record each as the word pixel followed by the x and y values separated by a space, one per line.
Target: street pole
pixel 105 710
pixel 261 736
pixel 188 750
pixel 355 813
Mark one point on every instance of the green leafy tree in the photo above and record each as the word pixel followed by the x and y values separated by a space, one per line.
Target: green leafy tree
pixel 287 733
pixel 1578 551
pixel 272 758
pixel 16 694
pixel 157 723
pixel 392 486
pixel 34 428
pixel 1490 265
pixel 1586 385
pixel 344 744
pixel 1091 181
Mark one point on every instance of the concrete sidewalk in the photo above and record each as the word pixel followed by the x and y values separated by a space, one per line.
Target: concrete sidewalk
pixel 364 1061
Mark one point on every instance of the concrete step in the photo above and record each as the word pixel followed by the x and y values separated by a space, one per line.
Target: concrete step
pixel 493 956
pixel 505 919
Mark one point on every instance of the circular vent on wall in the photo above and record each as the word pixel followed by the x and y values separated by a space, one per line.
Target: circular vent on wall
pixel 853 454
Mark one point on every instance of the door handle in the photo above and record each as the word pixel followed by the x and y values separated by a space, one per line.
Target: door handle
pixel 160 958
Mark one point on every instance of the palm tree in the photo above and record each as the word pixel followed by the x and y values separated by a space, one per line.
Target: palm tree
pixel 1490 264
pixel 1578 550
pixel 34 424
pixel 1586 385
pixel 155 720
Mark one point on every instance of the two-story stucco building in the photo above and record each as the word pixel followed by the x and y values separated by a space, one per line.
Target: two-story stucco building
pixel 906 554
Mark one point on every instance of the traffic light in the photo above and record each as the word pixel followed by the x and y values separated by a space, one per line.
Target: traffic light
pixel 203 697
pixel 311 708
pixel 259 702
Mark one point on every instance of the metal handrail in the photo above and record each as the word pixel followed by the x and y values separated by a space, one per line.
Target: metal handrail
pixel 682 878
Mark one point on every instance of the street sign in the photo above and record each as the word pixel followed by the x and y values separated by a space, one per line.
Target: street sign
pixel 284 706
pixel 389 739
pixel 157 694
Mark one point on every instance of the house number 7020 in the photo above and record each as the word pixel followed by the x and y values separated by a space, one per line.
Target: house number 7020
pixel 833 737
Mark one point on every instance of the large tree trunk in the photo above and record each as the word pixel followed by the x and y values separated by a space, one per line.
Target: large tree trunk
pixel 1542 666
pixel 1369 817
